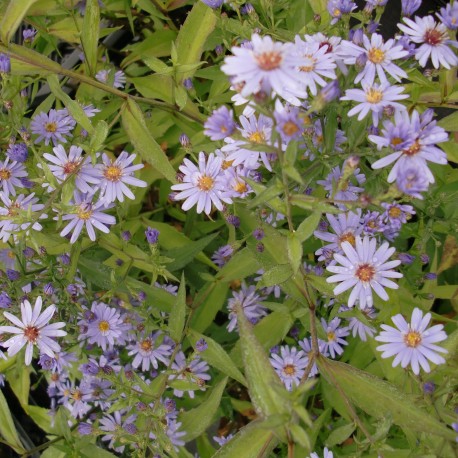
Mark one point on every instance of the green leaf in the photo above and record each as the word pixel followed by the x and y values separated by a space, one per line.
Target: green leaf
pixel 12 19
pixel 300 436
pixel 217 357
pixel 380 398
pixel 74 107
pixel 263 382
pixel 239 266
pixel 191 39
pixel 312 203
pixel 306 228
pixel 197 420
pixel 178 314
pixel 294 246
pixel 135 126
pixel 340 434
pixel 7 428
pixel 253 440
pixel 276 275
pixel 91 451
pixel 90 34
pixel 99 136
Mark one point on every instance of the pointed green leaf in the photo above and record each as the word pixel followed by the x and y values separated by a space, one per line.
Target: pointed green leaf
pixel 340 434
pixel 90 34
pixel 197 420
pixel 263 382
pixel 380 398
pixel 217 357
pixel 294 246
pixel 178 314
pixel 12 19
pixel 191 39
pixel 135 126
pixel 306 228
pixel 7 428
pixel 276 275
pixel 239 266
pixel 253 440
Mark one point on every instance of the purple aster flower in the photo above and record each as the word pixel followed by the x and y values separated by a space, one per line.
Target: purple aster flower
pixel 412 343
pixel 85 429
pixel 113 425
pixel 203 185
pixel 346 227
pixel 5 300
pixel 29 34
pixel 16 215
pixel 251 305
pixel 54 126
pixel 288 124
pixel 174 434
pixel 406 258
pixel 106 328
pixel 116 80
pixel 213 3
pixel 233 220
pixel 433 39
pixel 306 345
pixel 152 235
pixel 396 214
pixel 148 350
pixel 290 365
pixel 222 255
pixel 265 64
pixel 330 92
pixel 184 141
pixel 337 8
pixel 335 335
pixel 359 328
pixel 74 164
pixel 237 186
pixel 379 59
pixel 17 152
pixel 194 371
pixel 375 98
pixel 115 175
pixel 10 176
pixel 86 214
pixel 220 124
pixel 326 454
pixel 33 329
pixel 12 274
pixel 258 234
pixel 5 64
pixel 412 182
pixel 201 345
pixel 449 15
pixel 409 7
pixel 187 84
pixel 221 440
pixel 364 268
pixel 420 148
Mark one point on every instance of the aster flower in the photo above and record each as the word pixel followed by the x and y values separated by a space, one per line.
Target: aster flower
pixel 251 305
pixel 105 328
pixel 379 59
pixel 335 336
pixel 449 15
pixel 375 98
pixel 419 135
pixel 203 185
pixel 409 7
pixel 412 182
pixel 413 343
pixel 5 64
pixel 33 329
pixel 346 227
pixel 174 434
pixel 148 350
pixel 433 39
pixel 326 454
pixel 118 80
pixel 54 126
pixel 364 268
pixel 288 124
pixel 220 124
pixel 115 175
pixel 306 345
pixel 74 164
pixel 265 64
pixel 87 214
pixel 222 255
pixel 337 8
pixel 221 440
pixel 317 64
pixel 113 424
pixel 10 176
pixel 396 214
pixel 290 366
pixel 17 152
pixel 237 186
pixel 194 371
pixel 359 328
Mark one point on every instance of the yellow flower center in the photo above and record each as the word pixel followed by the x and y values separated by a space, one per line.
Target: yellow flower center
pixel 77 395
pixel 240 187
pixel 376 55
pixel 50 127
pixel 374 95
pixel 70 167
pixel 310 67
pixel 347 237
pixel 257 137
pixel 104 326
pixel 336 12
pixel 84 212
pixel 289 369
pixel 395 212
pixel 331 336
pixel 412 339
pixel 112 173
pixel 290 128
pixel 395 141
pixel 146 345
pixel 365 272
pixel 205 183
pixel 226 164
pixel 5 174
pixel 413 150
pixel 269 61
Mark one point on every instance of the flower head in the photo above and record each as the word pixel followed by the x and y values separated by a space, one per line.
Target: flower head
pixel 11 174
pixel 54 126
pixel 33 329
pixel 363 268
pixel 413 343
pixel 290 366
pixel 220 124
pixel 335 336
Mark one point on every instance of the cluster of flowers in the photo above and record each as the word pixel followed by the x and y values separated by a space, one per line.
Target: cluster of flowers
pixel 97 183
